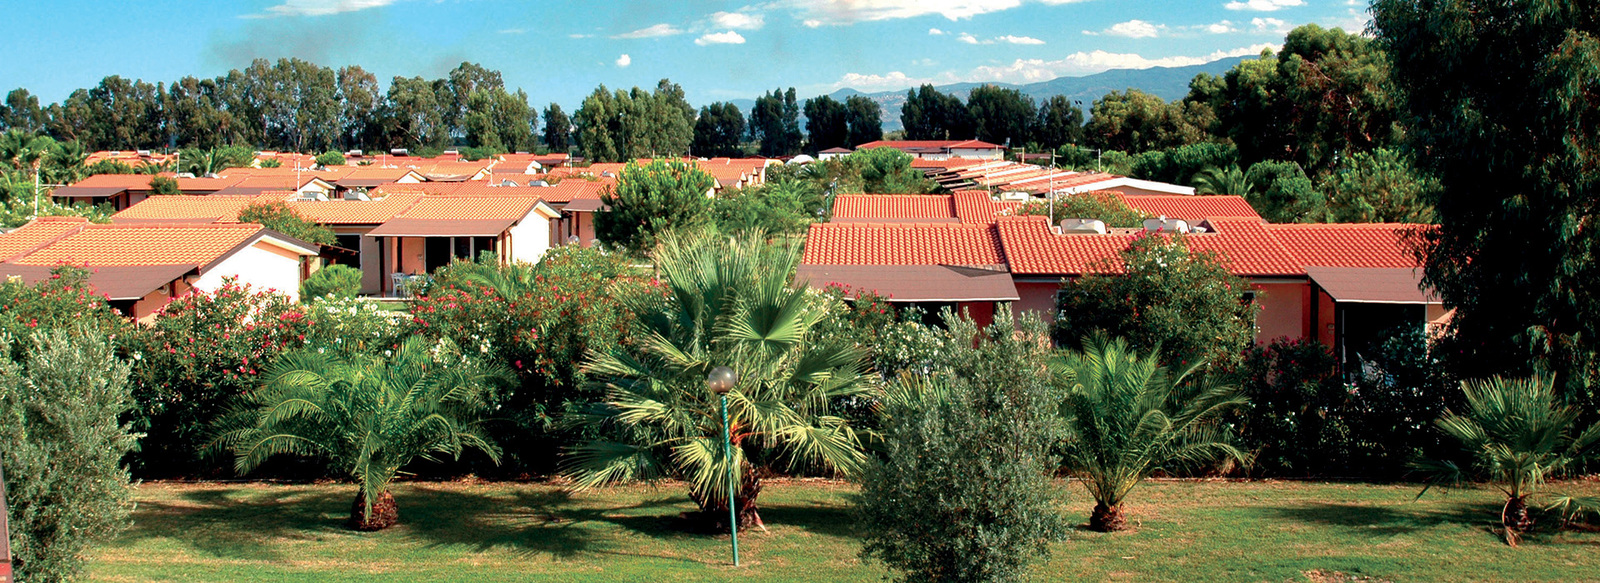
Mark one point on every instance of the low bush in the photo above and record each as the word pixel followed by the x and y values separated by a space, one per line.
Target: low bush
pixel 334 280
pixel 963 494
pixel 61 445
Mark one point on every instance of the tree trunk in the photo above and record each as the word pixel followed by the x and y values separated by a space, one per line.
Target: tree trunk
pixel 385 513
pixel 715 512
pixel 1514 517
pixel 1107 518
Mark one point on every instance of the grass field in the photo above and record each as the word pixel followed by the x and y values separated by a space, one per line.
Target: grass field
pixel 1186 531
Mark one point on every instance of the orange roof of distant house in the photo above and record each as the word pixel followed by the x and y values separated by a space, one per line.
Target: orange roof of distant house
pixel 902 244
pixel 1380 245
pixel 37 232
pixel 976 206
pixel 184 209
pixel 1034 249
pixel 1191 207
pixel 129 245
pixel 355 212
pixel 450 207
pixel 894 208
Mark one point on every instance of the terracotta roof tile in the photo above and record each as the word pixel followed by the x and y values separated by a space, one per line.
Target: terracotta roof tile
pixel 894 207
pixel 1192 208
pixel 355 212
pixel 902 244
pixel 445 207
pixel 37 232
pixel 208 209
pixel 1348 245
pixel 1248 249
pixel 976 206
pixel 117 245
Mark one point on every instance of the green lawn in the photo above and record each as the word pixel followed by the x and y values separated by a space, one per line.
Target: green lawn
pixel 1186 531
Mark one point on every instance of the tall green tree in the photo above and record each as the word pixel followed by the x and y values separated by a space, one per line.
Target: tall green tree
pixel 1282 193
pixel 1514 250
pixel 497 120
pixel 929 114
pixel 1135 121
pixel 1381 186
pixel 1325 95
pixel 865 119
pixel 775 123
pixel 1001 115
pixel 728 303
pixel 412 116
pixel 827 124
pixel 1060 123
pixel 359 97
pixel 557 129
pixel 21 111
pixel 718 131
pixel 63 443
pixel 597 125
pixel 651 199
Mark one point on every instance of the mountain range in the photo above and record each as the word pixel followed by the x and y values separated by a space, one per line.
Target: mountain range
pixel 1165 82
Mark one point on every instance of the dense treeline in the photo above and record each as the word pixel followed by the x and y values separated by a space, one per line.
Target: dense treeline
pixel 289 105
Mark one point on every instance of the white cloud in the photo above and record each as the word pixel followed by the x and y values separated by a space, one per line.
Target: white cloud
pixel 1034 70
pixel 892 80
pixel 1018 40
pixel 720 38
pixel 1223 27
pixel 840 12
pixel 1263 5
pixel 1270 26
pixel 744 19
pixel 812 23
pixel 580 36
pixel 513 31
pixel 936 32
pixel 653 31
pixel 1132 29
pixel 323 7
pixel 624 60
pixel 1007 39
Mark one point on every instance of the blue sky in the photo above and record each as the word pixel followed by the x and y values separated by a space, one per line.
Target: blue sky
pixel 560 50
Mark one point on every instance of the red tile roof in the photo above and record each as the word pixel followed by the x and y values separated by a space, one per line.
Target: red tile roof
pixel 183 209
pixel 933 144
pixel 902 244
pixel 446 207
pixel 142 244
pixel 976 206
pixel 895 207
pixel 1192 208
pixel 37 232
pixel 355 212
pixel 1248 249
pixel 1347 245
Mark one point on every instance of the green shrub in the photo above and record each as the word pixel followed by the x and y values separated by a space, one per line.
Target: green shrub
pixel 962 493
pixel 1158 292
pixel 277 215
pixel 651 199
pixel 1294 420
pixel 341 281
pixel 62 445
pixel 1104 206
pixel 330 159
pixel 63 301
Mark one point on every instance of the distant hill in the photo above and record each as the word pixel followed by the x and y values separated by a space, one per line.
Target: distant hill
pixel 1165 82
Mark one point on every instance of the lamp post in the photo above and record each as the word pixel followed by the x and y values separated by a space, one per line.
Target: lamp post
pixel 5 535
pixel 720 381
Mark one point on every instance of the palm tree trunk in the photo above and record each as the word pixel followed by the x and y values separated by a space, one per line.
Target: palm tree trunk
pixel 715 512
pixel 1107 518
pixel 1514 517
pixel 385 512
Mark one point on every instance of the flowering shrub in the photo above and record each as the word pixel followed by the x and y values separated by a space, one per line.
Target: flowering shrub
pixel 540 321
pixel 354 325
pixel 202 350
pixel 64 300
pixel 1291 421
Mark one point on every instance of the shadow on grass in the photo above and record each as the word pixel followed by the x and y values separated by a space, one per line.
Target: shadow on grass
pixel 1390 519
pixel 231 523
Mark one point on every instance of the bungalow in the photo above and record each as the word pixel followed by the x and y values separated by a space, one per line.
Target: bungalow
pixel 438 229
pixel 832 153
pixel 942 149
pixel 140 267
pixel 124 190
pixel 1339 284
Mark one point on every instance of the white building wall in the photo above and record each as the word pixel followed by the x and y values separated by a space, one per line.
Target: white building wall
pixel 980 154
pixel 530 238
pixel 260 265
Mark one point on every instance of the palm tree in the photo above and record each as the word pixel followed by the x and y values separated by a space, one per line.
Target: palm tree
pixel 1214 180
pixel 1129 416
pixel 728 302
pixel 1518 434
pixel 369 416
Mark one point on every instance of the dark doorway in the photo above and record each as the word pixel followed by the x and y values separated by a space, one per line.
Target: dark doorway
pixel 437 252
